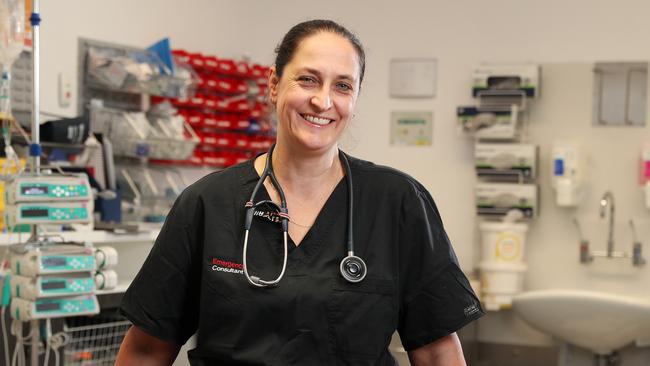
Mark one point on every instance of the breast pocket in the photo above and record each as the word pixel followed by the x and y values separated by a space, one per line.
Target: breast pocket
pixel 361 317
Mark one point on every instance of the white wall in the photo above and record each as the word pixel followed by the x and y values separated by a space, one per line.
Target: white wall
pixel 459 34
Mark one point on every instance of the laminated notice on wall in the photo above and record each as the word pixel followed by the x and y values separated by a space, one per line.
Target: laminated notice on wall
pixel 411 128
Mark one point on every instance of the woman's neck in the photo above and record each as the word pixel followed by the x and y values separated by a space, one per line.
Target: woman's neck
pixel 303 174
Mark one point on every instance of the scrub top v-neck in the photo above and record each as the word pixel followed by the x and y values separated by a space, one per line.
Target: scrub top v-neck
pixel 332 204
pixel 192 281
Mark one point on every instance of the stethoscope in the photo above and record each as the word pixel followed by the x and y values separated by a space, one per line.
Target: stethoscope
pixel 352 268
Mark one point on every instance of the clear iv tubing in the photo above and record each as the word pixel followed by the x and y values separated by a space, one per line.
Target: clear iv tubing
pixel 12 35
pixel 5 105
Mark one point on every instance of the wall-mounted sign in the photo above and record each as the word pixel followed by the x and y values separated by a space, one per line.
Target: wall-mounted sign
pixel 411 128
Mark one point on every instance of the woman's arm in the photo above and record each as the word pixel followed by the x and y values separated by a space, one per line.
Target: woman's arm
pixel 446 351
pixel 139 348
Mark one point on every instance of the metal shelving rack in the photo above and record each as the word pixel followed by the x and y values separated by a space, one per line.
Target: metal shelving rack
pixel 127 101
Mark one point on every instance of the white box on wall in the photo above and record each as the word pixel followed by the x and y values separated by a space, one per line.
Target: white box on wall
pixel 413 77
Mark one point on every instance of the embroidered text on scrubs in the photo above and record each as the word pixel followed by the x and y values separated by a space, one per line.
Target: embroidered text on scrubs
pixel 471 310
pixel 225 266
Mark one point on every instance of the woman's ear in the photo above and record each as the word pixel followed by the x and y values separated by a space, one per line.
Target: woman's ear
pixel 273 85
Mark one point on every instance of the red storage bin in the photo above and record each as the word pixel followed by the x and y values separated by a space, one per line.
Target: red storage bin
pixel 209 102
pixel 240 157
pixel 196 158
pixel 238 106
pixel 209 120
pixel 223 122
pixel 211 158
pixel 181 56
pixel 210 83
pixel 202 84
pixel 219 158
pixel 211 63
pixel 180 102
pixel 257 143
pixel 226 67
pixel 195 119
pixel 225 85
pixel 269 141
pixel 208 138
pixel 226 140
pixel 242 141
pixel 157 100
pixel 197 61
pixel 241 87
pixel 241 123
pixel 222 105
pixel 258 111
pixel 257 71
pixel 197 101
pixel 242 68
pixel 263 89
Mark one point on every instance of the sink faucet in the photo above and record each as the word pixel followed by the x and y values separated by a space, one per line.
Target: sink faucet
pixel 608 202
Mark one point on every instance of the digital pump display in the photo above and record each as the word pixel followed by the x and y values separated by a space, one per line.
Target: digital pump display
pixel 35 212
pixel 34 190
pixel 53 262
pixel 53 285
pixel 47 306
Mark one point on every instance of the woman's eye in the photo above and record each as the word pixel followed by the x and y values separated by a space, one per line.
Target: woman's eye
pixel 344 87
pixel 307 79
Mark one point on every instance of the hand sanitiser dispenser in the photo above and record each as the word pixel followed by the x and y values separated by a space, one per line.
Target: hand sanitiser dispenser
pixel 644 175
pixel 567 168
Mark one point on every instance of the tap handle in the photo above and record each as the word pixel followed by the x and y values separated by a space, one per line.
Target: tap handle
pixel 585 255
pixel 637 257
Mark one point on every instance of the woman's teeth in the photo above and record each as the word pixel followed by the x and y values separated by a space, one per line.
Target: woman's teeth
pixel 316 120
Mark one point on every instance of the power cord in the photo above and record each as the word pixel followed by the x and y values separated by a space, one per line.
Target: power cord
pixel 18 358
pixel 55 342
pixel 5 338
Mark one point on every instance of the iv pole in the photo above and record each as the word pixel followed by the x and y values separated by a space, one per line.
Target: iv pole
pixel 35 147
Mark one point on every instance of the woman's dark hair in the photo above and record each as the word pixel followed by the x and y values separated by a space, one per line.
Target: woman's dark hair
pixel 287 48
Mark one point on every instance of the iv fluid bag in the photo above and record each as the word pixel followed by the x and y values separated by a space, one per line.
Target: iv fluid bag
pixel 12 30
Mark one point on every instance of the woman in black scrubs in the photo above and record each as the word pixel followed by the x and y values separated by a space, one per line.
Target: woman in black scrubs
pixel 294 299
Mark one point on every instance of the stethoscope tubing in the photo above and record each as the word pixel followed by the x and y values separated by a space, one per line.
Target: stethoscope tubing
pixel 352 268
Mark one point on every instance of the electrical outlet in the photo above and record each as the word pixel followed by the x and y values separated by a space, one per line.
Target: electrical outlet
pixel 65 90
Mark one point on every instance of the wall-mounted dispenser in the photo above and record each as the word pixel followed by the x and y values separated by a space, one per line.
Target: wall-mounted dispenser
pixel 521 77
pixel 567 168
pixel 506 160
pixel 496 199
pixel 644 173
pixel 493 122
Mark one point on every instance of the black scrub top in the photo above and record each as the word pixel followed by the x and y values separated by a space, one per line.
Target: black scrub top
pixel 192 281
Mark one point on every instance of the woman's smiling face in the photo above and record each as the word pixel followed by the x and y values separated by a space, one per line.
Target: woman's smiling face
pixel 317 92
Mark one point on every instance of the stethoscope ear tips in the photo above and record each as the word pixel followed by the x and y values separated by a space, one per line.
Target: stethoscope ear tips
pixel 353 269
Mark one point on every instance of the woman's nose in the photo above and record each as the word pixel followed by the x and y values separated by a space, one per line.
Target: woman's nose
pixel 322 100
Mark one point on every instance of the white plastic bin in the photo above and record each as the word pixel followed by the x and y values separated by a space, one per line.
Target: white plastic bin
pixel 503 242
pixel 500 282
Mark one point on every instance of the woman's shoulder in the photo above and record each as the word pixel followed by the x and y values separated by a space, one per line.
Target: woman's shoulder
pixel 222 182
pixel 368 173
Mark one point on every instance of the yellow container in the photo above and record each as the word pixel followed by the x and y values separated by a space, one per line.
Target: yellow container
pixel 6 170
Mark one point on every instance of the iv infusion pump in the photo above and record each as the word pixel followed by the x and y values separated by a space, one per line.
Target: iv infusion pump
pixel 51 188
pixel 49 199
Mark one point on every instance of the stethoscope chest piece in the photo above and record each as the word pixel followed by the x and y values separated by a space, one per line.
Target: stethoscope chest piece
pixel 353 269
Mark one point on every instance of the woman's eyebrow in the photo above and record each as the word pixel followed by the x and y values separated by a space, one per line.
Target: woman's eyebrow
pixel 319 74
